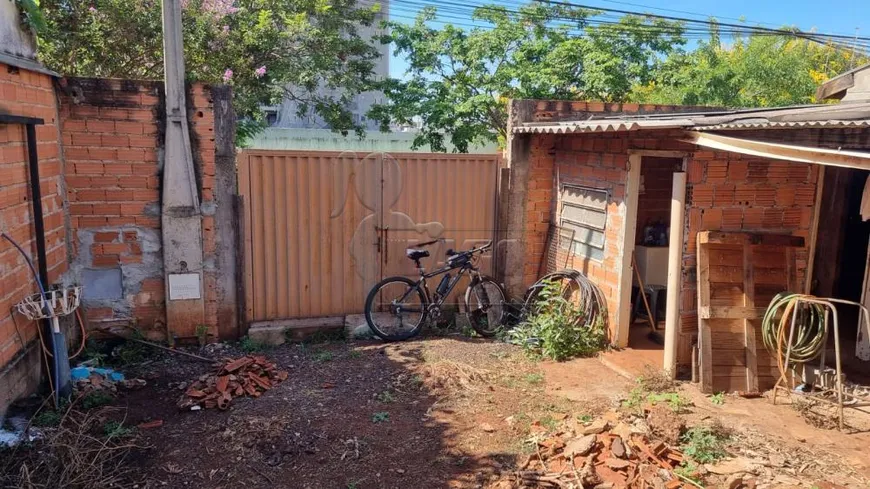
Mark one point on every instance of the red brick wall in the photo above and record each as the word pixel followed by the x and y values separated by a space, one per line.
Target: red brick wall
pixel 654 204
pixel 732 192
pixel 112 131
pixel 30 94
pixel 727 192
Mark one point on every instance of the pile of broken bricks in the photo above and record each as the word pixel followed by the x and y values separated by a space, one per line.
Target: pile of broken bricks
pixel 598 456
pixel 245 376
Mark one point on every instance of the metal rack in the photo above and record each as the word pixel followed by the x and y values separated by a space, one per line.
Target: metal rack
pixel 820 395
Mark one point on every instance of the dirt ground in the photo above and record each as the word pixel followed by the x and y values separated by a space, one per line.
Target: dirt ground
pixel 439 411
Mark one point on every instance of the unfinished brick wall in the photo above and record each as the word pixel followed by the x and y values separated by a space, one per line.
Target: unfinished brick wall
pixel 26 93
pixel 733 192
pixel 654 201
pixel 112 133
pixel 725 192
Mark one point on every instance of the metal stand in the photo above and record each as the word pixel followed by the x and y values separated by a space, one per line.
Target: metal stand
pixel 830 310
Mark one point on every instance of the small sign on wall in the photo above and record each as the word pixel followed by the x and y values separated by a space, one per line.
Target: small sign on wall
pixel 184 286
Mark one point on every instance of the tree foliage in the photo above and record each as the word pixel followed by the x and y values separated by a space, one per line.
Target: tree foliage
pixel 756 71
pixel 265 49
pixel 458 80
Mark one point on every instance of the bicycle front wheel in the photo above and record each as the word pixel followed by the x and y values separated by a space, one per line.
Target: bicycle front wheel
pixel 485 306
pixel 396 309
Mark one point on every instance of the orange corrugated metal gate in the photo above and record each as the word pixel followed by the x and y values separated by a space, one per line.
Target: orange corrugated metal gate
pixel 322 227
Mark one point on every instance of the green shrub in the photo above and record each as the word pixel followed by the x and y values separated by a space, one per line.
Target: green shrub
pixel 704 445
pixel 556 330
pixel 116 429
pixel 96 399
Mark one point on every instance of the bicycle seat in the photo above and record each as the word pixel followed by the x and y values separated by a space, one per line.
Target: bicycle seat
pixel 416 254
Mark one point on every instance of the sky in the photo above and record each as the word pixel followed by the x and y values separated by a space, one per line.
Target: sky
pixel 843 17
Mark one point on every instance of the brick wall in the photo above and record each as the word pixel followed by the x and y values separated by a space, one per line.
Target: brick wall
pixel 112 134
pixel 725 191
pixel 26 93
pixel 733 192
pixel 654 203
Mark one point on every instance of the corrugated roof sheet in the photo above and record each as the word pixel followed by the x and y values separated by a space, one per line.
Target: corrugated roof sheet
pixel 806 116
pixel 775 125
pixel 599 126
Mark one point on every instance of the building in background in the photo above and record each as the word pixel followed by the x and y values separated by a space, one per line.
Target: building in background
pixel 287 116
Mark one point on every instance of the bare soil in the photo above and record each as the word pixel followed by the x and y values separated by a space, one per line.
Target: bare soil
pixel 439 411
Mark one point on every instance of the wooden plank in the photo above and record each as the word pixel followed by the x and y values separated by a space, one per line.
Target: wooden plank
pixel 726 294
pixel 626 251
pixel 726 274
pixel 834 86
pixel 748 329
pixel 717 237
pixel 814 231
pixel 731 312
pixel 728 357
pixel 705 340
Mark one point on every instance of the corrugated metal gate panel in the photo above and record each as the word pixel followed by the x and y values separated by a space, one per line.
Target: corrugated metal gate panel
pixel 323 227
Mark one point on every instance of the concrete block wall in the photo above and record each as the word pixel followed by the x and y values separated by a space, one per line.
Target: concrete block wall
pixel 113 141
pixel 26 93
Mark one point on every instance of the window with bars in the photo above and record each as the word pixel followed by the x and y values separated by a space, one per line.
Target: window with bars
pixel 582 219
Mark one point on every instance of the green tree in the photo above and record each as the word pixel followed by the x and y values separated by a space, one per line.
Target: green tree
pixel 265 49
pixel 754 71
pixel 458 79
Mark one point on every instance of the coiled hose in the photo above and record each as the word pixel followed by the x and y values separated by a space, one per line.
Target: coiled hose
pixel 810 330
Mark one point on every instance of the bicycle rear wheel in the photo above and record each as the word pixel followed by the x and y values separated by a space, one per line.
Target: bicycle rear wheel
pixel 396 309
pixel 485 306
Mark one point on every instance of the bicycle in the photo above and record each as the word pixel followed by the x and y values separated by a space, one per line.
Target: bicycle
pixel 397 307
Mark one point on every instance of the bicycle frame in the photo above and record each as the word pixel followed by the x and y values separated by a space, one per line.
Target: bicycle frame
pixel 463 268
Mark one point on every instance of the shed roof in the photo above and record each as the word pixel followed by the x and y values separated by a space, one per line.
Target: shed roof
pixel 802 116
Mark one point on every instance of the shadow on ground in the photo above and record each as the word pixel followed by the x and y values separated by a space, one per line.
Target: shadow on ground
pixel 427 413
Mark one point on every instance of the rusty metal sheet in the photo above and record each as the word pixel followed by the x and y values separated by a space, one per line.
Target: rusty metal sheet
pixel 323 227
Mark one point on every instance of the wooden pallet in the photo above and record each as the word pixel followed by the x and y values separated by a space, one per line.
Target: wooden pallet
pixel 738 275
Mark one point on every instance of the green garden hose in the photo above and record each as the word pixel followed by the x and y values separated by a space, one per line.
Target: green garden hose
pixel 810 331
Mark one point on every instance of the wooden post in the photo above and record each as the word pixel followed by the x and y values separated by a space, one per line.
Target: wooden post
pixel 705 345
pixel 748 324
pixel 814 231
pixel 626 251
pixel 675 272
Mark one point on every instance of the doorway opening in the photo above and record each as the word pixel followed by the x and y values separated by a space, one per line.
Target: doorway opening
pixel 840 264
pixel 650 267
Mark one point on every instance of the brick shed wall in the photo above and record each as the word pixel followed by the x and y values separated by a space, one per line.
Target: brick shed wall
pixel 725 192
pixel 26 93
pixel 112 132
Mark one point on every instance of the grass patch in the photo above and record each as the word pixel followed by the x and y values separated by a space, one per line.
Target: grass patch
pixel 355 354
pixel 250 345
pixel 534 379
pixel 47 418
pixel 704 445
pixel 96 399
pixel 639 397
pixel 116 430
pixel 330 335
pixel 381 417
pixel 322 356
pixel 386 397
pixel 718 398
pixel 130 352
